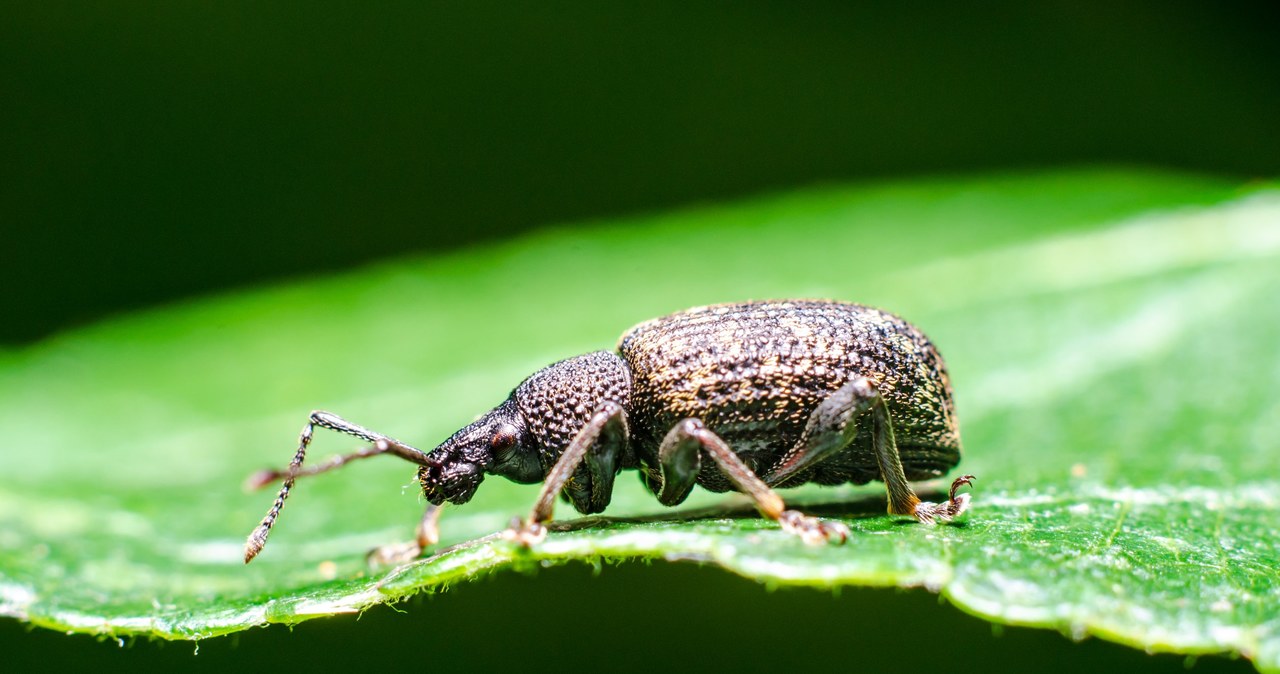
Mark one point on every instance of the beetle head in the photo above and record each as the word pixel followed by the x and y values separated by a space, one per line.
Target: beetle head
pixel 491 443
pixel 534 424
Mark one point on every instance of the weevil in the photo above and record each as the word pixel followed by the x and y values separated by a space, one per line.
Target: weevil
pixel 749 397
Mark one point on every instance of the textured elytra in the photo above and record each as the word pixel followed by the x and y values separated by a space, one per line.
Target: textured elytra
pixel 754 372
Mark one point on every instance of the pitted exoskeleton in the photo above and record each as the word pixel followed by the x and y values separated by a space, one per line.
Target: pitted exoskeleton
pixel 745 397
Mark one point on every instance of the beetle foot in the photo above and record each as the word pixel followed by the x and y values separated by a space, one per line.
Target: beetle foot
pixel 812 530
pixel 931 513
pixel 394 554
pixel 525 534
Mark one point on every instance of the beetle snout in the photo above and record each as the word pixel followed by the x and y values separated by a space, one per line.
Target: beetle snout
pixel 453 480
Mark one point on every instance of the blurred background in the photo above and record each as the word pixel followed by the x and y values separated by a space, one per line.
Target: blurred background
pixel 155 151
pixel 151 152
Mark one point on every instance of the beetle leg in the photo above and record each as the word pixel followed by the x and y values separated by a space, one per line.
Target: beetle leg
pixel 428 531
pixel 608 420
pixel 833 425
pixel 428 534
pixel 381 445
pixel 929 512
pixel 679 458
pixel 679 462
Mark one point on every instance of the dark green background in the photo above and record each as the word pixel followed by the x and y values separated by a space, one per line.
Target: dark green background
pixel 152 152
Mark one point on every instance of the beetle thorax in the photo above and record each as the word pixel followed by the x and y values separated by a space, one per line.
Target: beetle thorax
pixel 557 400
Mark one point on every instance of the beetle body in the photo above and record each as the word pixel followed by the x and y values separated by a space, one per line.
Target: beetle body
pixel 774 394
pixel 755 372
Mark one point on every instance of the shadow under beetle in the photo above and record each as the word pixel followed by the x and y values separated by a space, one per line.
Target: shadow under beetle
pixel 748 397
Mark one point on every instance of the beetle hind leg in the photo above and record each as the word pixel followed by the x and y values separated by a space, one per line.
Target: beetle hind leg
pixel 834 425
pixel 928 513
pixel 679 459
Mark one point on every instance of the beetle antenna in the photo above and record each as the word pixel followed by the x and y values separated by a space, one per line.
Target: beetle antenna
pixel 381 445
pixel 258 539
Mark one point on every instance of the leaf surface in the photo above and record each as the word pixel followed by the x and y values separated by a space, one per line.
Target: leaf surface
pixel 1111 336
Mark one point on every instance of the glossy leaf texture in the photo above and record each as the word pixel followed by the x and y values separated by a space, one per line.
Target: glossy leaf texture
pixel 1112 336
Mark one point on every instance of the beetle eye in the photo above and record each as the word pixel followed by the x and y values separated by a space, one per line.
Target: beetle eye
pixel 503 439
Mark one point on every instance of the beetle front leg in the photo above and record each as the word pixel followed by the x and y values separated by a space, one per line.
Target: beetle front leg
pixel 833 425
pixel 679 459
pixel 607 430
pixel 427 534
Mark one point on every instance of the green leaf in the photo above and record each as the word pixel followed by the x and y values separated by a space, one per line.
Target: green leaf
pixel 1111 335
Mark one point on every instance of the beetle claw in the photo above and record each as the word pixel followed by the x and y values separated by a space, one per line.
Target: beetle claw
pixel 960 482
pixel 932 513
